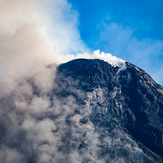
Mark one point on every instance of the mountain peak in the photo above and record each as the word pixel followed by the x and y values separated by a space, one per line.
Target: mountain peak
pixel 85 110
pixel 134 99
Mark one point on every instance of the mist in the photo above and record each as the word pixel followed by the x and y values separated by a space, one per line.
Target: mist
pixel 34 34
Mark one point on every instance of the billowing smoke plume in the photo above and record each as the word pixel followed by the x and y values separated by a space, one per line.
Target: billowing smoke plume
pixel 37 33
pixel 38 122
pixel 32 35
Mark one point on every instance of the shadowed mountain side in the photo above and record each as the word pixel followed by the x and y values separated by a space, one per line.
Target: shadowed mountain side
pixel 130 96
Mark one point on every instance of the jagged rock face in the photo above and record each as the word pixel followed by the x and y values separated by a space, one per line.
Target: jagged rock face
pixel 89 111
pixel 128 98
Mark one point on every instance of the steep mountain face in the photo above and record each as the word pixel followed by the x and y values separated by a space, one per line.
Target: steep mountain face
pixel 129 98
pixel 90 111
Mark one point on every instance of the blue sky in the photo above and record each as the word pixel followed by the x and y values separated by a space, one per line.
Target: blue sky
pixel 129 29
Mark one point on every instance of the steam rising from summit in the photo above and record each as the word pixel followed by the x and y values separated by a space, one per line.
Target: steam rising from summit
pixel 36 33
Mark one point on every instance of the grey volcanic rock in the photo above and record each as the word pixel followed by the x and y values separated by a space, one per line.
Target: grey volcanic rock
pixel 130 97
pixel 88 112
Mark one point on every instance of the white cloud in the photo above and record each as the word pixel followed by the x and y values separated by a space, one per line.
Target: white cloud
pixel 9 155
pixel 107 57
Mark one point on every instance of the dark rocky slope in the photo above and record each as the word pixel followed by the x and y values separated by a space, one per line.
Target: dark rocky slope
pixel 131 97
pixel 88 112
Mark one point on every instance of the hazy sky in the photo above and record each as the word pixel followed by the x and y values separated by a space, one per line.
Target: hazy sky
pixel 129 29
